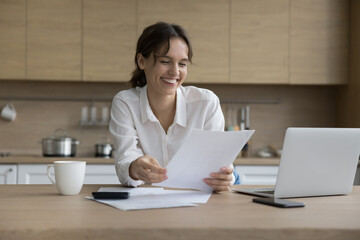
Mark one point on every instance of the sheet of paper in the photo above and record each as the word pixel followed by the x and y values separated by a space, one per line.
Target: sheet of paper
pixel 145 202
pixel 183 195
pixel 203 152
pixel 149 198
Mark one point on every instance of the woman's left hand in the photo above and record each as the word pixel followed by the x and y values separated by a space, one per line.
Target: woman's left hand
pixel 220 181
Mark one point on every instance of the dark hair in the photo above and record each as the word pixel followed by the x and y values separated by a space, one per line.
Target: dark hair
pixel 153 38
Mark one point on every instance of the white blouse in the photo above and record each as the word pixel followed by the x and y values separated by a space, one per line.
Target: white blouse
pixel 138 132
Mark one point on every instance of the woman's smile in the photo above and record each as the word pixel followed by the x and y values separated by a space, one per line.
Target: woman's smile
pixel 170 81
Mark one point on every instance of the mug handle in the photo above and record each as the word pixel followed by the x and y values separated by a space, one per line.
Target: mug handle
pixel 48 173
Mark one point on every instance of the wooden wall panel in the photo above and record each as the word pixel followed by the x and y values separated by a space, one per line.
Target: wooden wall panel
pixel 109 41
pixel 259 41
pixel 12 39
pixel 319 48
pixel 54 39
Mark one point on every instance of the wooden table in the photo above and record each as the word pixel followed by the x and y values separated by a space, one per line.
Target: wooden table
pixel 39 212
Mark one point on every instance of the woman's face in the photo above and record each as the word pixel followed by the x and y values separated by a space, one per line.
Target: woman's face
pixel 166 72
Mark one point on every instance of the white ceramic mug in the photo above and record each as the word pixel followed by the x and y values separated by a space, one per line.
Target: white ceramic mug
pixel 69 176
pixel 8 112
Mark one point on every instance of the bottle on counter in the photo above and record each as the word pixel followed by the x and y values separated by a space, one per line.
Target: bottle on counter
pixel 245 117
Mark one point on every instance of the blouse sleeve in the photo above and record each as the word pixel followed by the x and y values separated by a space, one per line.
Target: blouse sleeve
pixel 126 141
pixel 215 120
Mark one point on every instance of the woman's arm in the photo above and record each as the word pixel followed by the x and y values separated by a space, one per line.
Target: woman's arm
pixel 127 149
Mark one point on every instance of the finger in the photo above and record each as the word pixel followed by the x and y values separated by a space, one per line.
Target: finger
pixel 215 187
pixel 153 165
pixel 227 170
pixel 156 169
pixel 148 176
pixel 218 182
pixel 222 176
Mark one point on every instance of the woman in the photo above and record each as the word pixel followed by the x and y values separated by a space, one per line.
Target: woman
pixel 151 120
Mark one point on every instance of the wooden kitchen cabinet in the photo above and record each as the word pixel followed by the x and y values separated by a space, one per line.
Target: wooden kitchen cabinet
pixel 319 42
pixel 109 39
pixel 259 41
pixel 54 39
pixel 208 25
pixel 8 173
pixel 12 39
pixel 95 174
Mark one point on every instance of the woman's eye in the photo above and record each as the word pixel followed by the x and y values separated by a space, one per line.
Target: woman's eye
pixel 183 64
pixel 164 62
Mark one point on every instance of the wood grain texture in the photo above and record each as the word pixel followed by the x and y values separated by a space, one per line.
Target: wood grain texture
pixel 260 41
pixel 348 96
pixel 109 41
pixel 207 22
pixel 39 212
pixel 12 39
pixel 54 40
pixel 319 48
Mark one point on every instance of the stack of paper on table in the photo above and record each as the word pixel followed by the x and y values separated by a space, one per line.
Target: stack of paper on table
pixel 149 198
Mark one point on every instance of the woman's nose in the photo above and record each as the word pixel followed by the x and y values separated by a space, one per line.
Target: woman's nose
pixel 174 70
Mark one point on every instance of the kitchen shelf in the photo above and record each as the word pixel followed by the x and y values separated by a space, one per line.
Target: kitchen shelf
pixel 38 159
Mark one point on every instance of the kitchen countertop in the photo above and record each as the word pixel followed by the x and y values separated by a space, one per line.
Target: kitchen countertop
pixel 39 212
pixel 37 159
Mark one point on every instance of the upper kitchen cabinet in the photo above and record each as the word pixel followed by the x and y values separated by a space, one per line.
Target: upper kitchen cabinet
pixel 12 39
pixel 207 22
pixel 109 39
pixel 259 41
pixel 319 42
pixel 54 39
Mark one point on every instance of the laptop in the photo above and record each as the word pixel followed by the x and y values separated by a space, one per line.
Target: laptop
pixel 315 162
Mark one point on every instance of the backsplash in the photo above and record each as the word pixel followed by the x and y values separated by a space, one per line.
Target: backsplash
pixel 43 107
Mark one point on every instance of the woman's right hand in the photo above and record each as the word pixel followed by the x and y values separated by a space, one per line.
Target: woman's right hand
pixel 147 169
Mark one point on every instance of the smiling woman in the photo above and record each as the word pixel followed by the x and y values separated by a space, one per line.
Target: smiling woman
pixel 165 73
pixel 151 121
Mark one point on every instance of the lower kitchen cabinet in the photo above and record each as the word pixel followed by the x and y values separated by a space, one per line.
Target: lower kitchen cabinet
pixel 8 173
pixel 95 174
pixel 266 175
pixel 101 174
pixel 257 175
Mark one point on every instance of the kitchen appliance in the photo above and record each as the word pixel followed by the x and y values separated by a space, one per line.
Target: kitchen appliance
pixel 59 145
pixel 103 148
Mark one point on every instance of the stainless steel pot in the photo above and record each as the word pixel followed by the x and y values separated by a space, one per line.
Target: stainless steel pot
pixel 59 145
pixel 104 148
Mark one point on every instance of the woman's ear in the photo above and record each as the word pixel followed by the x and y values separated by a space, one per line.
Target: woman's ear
pixel 140 61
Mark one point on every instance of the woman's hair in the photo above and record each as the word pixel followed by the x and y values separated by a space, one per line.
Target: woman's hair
pixel 151 40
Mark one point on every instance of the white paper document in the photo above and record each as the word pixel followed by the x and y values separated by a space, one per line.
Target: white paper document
pixel 202 153
pixel 149 198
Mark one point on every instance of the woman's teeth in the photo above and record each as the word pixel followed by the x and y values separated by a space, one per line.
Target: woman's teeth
pixel 172 81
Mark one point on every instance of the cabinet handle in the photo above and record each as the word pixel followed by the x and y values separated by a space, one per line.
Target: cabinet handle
pixel 10 170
